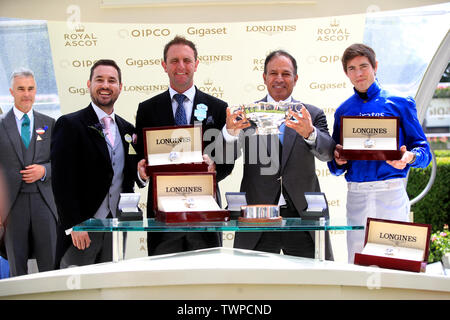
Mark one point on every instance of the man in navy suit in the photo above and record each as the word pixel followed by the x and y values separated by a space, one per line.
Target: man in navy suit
pixel 25 158
pixel 292 161
pixel 91 165
pixel 180 63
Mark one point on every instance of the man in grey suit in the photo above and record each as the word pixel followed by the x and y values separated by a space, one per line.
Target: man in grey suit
pixel 281 168
pixel 30 227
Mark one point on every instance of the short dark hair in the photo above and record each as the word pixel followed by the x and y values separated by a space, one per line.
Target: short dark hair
pixel 277 53
pixel 105 62
pixel 358 50
pixel 180 40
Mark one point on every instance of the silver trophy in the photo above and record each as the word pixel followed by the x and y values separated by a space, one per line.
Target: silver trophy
pixel 268 116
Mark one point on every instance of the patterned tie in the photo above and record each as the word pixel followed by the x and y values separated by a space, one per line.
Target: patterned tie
pixel 180 114
pixel 25 130
pixel 107 123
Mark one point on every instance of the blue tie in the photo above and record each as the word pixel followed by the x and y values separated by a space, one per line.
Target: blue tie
pixel 180 114
pixel 25 130
pixel 281 134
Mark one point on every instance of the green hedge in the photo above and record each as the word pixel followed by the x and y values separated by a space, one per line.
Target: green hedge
pixel 434 208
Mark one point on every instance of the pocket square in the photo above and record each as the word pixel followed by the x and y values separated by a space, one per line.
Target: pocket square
pixel 210 120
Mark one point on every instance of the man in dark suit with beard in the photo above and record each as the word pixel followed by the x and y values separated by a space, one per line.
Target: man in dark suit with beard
pixel 183 104
pixel 91 165
pixel 290 159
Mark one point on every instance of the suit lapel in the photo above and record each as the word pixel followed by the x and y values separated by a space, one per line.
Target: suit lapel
pixel 91 121
pixel 167 112
pixel 13 134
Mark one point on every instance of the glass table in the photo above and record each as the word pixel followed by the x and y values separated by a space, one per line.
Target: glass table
pixel 151 225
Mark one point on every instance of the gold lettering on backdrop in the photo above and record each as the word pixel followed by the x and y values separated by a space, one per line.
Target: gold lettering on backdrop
pixel 139 63
pixel 80 91
pixel 201 32
pixel 208 59
pixel 79 38
pixel 210 88
pixel 325 86
pixel 271 29
pixel 333 32
pixel 145 33
pixel 145 88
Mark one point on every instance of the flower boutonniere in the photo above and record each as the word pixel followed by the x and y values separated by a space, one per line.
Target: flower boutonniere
pixel 200 111
pixel 131 140
pixel 99 128
pixel 41 130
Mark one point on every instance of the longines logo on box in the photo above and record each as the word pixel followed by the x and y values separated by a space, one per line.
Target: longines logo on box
pixel 333 32
pixel 80 38
pixel 208 59
pixel 208 87
pixel 201 32
pixel 144 33
pixel 139 63
pixel 271 29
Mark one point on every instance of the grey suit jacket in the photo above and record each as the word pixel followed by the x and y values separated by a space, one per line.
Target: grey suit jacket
pixel 262 168
pixel 11 158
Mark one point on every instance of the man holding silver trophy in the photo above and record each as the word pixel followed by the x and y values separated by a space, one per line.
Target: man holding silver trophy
pixel 280 138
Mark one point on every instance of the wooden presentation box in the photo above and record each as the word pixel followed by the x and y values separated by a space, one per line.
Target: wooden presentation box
pixel 186 197
pixel 174 149
pixel 395 245
pixel 369 138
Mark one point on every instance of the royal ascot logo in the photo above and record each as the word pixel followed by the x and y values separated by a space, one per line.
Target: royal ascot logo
pixel 271 29
pixel 209 59
pixel 139 63
pixel 333 32
pixel 209 87
pixel 147 89
pixel 258 64
pixel 144 33
pixel 80 38
pixel 201 32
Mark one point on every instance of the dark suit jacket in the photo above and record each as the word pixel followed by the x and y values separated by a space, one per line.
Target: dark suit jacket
pixel 157 112
pixel 261 181
pixel 82 170
pixel 11 156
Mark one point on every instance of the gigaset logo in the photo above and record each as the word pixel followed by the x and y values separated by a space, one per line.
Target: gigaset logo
pixel 201 32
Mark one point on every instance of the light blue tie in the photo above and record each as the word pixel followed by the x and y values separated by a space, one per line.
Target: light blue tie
pixel 281 134
pixel 180 114
pixel 25 130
